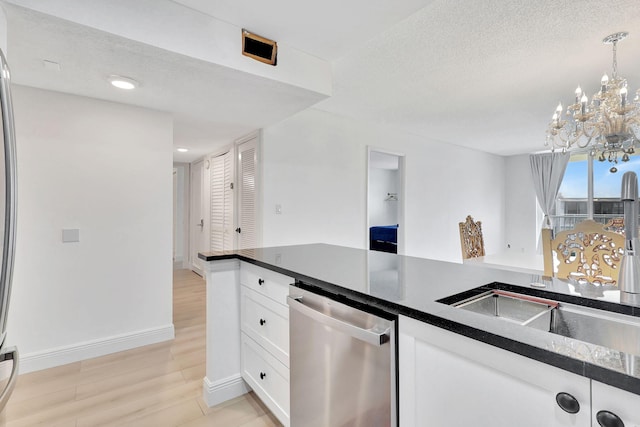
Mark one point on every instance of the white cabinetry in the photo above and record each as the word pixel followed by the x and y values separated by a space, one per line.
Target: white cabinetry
pixel 449 379
pixel 264 323
pixel 614 403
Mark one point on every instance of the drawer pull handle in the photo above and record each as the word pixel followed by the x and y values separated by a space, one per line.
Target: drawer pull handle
pixel 262 322
pixel 260 282
pixel 262 375
pixel 609 419
pixel 568 403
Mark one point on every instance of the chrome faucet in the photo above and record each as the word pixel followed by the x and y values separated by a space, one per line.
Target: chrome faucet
pixel 629 275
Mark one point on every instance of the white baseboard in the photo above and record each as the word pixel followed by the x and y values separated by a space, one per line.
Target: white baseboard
pixel 220 391
pixel 179 263
pixel 86 350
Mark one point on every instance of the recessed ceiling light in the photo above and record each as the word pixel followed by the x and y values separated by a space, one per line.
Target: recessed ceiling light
pixel 123 82
pixel 183 150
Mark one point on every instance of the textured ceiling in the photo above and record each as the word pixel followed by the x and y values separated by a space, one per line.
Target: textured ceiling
pixel 211 105
pixel 482 74
pixel 327 29
pixel 485 75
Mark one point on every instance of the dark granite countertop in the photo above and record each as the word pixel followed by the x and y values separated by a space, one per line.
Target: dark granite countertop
pixel 402 285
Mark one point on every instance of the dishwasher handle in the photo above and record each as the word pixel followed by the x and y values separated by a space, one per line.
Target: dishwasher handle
pixel 367 335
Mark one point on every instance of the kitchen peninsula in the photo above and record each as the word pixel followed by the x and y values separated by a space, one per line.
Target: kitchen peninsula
pixel 455 367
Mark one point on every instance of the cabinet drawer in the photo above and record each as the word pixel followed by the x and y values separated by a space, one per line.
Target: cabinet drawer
pixel 268 378
pixel 266 282
pixel 267 322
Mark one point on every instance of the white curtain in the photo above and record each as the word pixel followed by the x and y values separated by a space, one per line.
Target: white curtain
pixel 547 171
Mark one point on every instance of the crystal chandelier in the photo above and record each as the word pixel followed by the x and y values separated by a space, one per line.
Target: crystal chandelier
pixel 608 125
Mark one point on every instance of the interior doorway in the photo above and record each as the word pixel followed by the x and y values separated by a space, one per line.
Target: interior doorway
pixel 224 196
pixel 199 241
pixel 385 201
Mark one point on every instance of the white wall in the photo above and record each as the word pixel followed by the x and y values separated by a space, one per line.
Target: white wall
pixel 381 210
pixel 3 31
pixel 106 169
pixel 315 167
pixel 521 206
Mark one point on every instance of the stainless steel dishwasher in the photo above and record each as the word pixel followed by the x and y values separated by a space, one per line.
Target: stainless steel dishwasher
pixel 342 364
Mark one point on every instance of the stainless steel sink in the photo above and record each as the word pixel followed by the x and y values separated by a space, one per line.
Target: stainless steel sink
pixel 613 330
pixel 608 329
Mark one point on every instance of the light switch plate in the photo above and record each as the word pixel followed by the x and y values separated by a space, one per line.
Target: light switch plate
pixel 70 235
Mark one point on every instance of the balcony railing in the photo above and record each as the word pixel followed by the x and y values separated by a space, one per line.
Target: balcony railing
pixel 567 222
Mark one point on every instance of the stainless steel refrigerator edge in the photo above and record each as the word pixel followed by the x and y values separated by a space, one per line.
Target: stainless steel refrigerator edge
pixel 342 364
pixel 8 355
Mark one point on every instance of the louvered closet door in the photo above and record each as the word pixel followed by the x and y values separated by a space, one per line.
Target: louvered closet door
pixel 221 203
pixel 247 194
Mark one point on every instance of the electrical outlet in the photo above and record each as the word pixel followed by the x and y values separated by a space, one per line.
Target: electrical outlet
pixel 278 209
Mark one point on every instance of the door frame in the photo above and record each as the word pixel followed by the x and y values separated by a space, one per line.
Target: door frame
pixel 401 195
pixel 175 213
pixel 185 232
pixel 193 265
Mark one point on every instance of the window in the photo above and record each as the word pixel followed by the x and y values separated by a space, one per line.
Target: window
pixel 575 207
pixel 573 198
pixel 609 208
pixel 572 204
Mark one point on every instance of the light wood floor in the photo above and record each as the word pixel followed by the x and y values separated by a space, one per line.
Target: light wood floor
pixel 157 385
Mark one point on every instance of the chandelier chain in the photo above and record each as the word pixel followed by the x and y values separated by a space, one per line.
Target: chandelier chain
pixel 615 59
